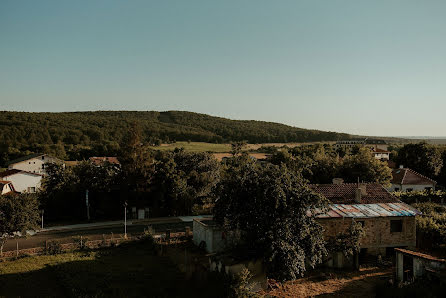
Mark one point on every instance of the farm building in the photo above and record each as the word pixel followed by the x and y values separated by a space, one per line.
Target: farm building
pixel 388 223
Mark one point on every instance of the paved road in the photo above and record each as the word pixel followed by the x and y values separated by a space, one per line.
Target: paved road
pixel 96 232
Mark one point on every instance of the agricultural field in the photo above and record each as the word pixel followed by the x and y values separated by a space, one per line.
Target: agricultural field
pixel 219 148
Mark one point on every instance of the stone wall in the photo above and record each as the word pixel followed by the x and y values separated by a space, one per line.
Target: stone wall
pixel 378 234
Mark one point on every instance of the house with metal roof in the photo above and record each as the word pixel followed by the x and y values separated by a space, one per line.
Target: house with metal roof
pixel 387 222
pixel 406 180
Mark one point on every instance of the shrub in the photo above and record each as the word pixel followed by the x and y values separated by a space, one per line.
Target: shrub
pixel 53 248
pixel 81 242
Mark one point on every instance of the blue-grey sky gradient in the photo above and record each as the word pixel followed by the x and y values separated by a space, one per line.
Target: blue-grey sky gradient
pixel 363 67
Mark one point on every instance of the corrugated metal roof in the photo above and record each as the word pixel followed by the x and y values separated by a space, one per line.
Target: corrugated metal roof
pixel 369 210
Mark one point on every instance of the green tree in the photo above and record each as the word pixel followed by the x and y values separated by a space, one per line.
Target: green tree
pixel 424 158
pixel 365 167
pixel 268 204
pixel 136 160
pixel 18 213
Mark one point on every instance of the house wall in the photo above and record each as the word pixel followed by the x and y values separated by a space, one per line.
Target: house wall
pixel 34 165
pixel 6 189
pixel 381 156
pixel 22 181
pixel 377 232
pixel 414 187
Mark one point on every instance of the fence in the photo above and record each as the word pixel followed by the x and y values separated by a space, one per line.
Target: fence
pixel 83 243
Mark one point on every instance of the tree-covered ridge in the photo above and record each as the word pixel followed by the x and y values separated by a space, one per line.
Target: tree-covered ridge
pixel 76 135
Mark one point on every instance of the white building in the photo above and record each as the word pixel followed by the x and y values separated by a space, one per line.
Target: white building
pixel 34 163
pixel 406 180
pixel 6 187
pixel 23 181
pixel 381 154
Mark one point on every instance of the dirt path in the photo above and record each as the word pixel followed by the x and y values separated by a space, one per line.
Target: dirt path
pixel 335 284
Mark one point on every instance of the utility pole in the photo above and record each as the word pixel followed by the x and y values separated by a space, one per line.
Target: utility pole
pixel 42 217
pixel 88 205
pixel 125 219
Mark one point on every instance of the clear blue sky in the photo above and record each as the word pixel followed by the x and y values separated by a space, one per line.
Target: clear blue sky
pixel 364 67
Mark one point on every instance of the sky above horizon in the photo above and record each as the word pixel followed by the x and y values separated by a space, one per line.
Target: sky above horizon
pixel 361 67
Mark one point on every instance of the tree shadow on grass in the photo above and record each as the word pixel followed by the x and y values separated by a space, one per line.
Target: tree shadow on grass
pixel 362 284
pixel 131 270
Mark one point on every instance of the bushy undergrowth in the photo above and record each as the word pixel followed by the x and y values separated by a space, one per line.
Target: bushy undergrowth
pixel 431 226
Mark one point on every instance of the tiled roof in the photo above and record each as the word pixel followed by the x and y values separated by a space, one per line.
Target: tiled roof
pixel 9 172
pixel 378 150
pixel 369 210
pixel 408 176
pixel 99 160
pixel 23 158
pixel 345 193
pixel 16 171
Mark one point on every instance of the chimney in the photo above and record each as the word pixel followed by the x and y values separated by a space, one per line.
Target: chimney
pixel 358 196
pixel 401 167
pixel 338 181
pixel 360 192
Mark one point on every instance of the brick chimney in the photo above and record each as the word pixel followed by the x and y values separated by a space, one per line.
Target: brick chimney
pixel 358 195
pixel 360 192
pixel 338 181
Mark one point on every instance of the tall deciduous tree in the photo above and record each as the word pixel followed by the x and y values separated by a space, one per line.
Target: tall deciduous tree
pixel 365 167
pixel 423 158
pixel 18 213
pixel 136 160
pixel 268 204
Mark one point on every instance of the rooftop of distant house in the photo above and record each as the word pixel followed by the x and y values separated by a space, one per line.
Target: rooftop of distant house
pixel 404 176
pixel 99 160
pixel 378 150
pixel 345 193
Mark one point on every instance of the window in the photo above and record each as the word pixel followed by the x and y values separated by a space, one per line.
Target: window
pixel 43 157
pixel 31 189
pixel 396 226
pixel 43 166
pixel 361 222
pixel 428 188
pixel 397 189
pixel 409 189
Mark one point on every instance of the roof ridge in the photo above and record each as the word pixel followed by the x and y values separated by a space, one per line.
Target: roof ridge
pixel 416 173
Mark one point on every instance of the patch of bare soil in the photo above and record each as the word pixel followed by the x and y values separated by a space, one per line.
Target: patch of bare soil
pixel 326 283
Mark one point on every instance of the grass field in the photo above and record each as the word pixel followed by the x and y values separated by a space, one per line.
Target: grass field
pixel 130 270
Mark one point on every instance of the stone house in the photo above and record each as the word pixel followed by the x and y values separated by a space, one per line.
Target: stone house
pixel 388 223
pixel 407 180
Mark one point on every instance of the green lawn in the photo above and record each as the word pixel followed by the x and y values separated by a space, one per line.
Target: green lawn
pixel 130 270
pixel 196 147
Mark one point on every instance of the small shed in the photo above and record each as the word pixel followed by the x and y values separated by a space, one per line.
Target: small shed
pixel 412 265
pixel 208 235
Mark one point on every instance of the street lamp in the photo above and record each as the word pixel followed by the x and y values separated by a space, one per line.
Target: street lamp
pixel 42 211
pixel 125 219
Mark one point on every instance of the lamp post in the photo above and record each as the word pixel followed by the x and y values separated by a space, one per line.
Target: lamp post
pixel 125 219
pixel 42 211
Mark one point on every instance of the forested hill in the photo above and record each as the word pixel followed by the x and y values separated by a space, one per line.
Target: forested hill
pixel 104 130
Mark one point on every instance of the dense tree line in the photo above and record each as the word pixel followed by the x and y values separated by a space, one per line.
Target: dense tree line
pixel 78 135
pixel 319 164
